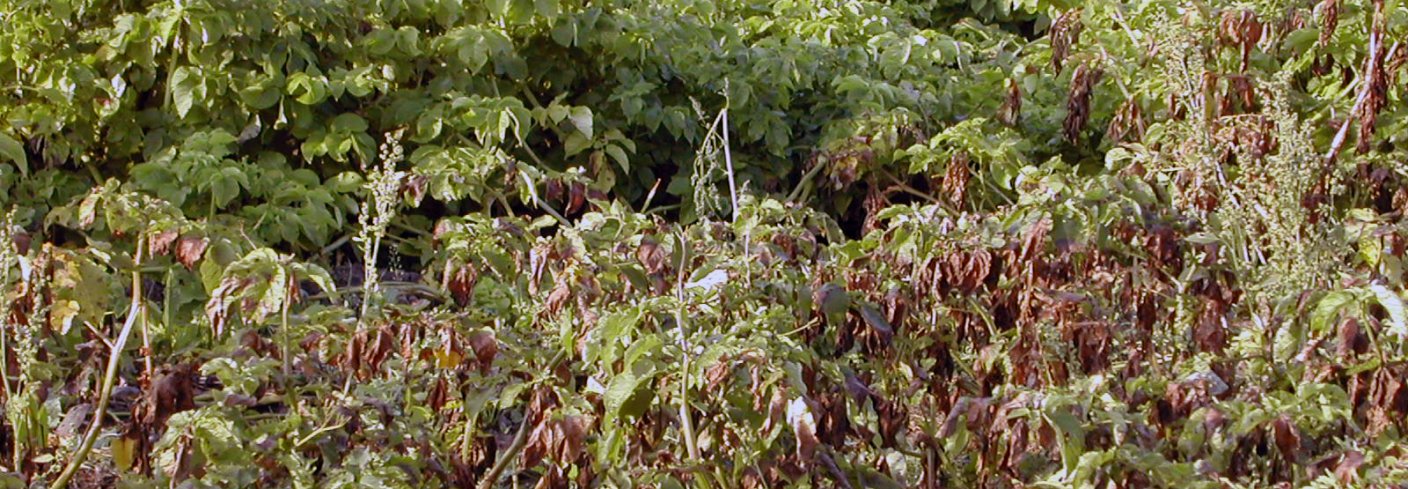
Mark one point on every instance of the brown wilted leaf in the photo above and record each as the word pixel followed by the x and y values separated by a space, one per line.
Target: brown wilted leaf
pixel 857 388
pixel 1162 245
pixel 543 400
pixel 1078 101
pixel 1176 110
pixel 651 256
pixel 415 186
pixel 217 308
pixel 1034 244
pixel 956 176
pixel 873 203
pixel 21 240
pixel 553 192
pixel 1127 125
pixel 1065 32
pixel 1329 20
pixel 460 280
pixel 171 392
pixel 438 394
pixel 1376 79
pixel 1092 341
pixel 1347 472
pixel 966 271
pixel 537 264
pixel 879 333
pixel 894 416
pixel 975 411
pixel 1240 28
pixel 1396 60
pixel 561 292
pixel 1210 334
pixel 717 374
pixel 564 439
pixel 799 416
pixel 577 198
pixel 190 249
pixel 465 470
pixel 572 437
pixel 486 348
pixel 1287 437
pixel 1240 88
pixel 1011 111
pixel 442 227
pixel 367 350
pixel 896 307
pixel 159 243
pixel 1351 339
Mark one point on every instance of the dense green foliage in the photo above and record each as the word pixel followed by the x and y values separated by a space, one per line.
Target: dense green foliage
pixel 703 243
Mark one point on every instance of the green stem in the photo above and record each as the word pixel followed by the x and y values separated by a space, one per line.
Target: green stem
pixel 109 376
pixel 5 358
pixel 146 339
pixel 691 442
pixel 288 370
pixel 805 182
pixel 728 162
pixel 520 439
pixel 311 436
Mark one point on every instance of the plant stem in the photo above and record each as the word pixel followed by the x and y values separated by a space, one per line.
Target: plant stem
pixel 542 204
pixel 146 345
pixel 288 370
pixel 686 421
pixel 519 439
pixel 311 436
pixel 805 182
pixel 109 376
pixel 5 357
pixel 728 163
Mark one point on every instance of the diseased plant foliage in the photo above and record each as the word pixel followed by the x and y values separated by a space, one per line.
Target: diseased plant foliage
pixel 703 243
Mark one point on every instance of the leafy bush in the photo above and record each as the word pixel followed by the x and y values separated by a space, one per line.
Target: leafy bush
pixel 703 243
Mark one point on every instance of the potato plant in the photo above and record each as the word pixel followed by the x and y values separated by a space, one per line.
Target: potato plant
pixel 703 243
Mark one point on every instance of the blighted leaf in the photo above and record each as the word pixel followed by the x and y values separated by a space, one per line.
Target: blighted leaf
pixel 1348 469
pixel 171 392
pixel 651 256
pixel 486 348
pixel 460 280
pixel 80 292
pixel 88 210
pixel 857 389
pixel 217 309
pixel 190 249
pixel 159 243
pixel 799 417
pixel 1287 437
